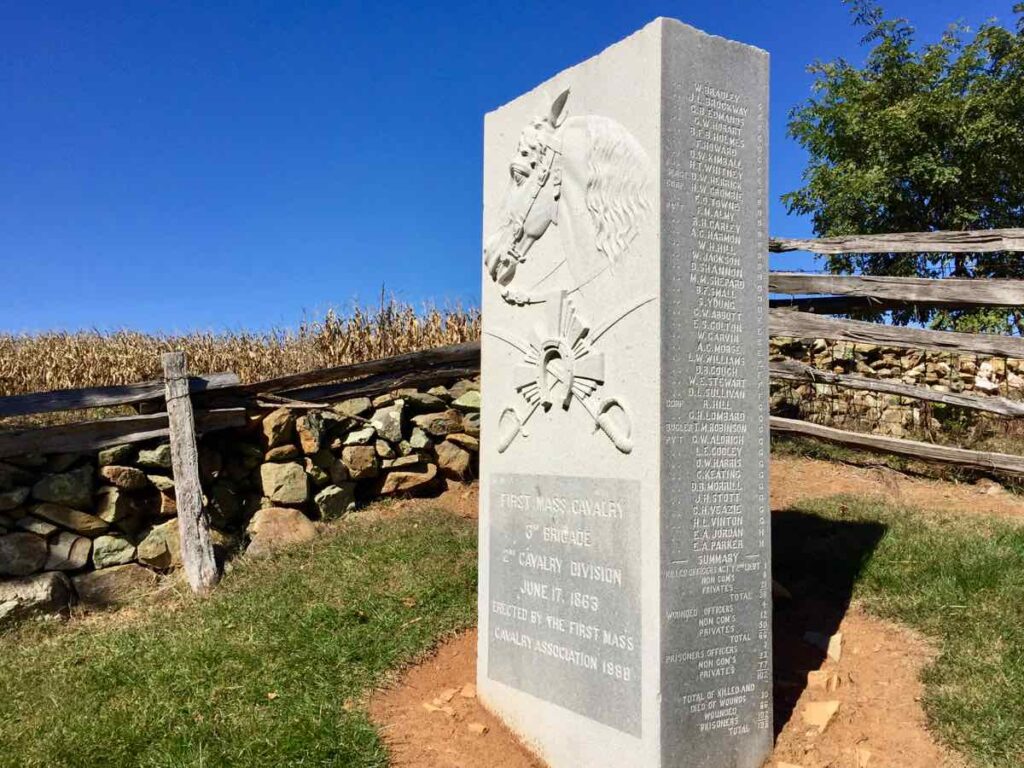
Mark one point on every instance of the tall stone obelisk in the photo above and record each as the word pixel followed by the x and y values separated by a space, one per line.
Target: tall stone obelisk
pixel 625 586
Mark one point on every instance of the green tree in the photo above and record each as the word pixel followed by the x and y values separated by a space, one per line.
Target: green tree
pixel 922 137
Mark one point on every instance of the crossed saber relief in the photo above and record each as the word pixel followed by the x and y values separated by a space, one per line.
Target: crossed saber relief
pixel 562 355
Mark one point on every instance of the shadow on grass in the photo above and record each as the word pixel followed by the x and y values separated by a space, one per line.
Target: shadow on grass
pixel 818 560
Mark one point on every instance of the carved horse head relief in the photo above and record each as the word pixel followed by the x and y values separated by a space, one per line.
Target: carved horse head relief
pixel 531 204
pixel 588 176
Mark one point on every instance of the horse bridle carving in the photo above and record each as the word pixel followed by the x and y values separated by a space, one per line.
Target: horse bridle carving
pixel 538 178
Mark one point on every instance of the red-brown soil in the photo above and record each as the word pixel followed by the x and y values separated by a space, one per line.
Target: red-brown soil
pixel 880 722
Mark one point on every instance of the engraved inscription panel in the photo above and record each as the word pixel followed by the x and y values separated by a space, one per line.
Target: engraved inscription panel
pixel 565 593
pixel 716 644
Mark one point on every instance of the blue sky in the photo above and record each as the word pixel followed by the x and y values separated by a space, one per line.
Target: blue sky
pixel 215 165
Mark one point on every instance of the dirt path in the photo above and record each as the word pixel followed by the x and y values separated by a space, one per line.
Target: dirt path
pixel 794 479
pixel 879 724
pixel 431 719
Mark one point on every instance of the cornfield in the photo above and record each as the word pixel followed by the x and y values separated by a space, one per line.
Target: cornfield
pixel 48 361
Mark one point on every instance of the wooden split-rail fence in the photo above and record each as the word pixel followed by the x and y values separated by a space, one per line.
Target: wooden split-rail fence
pixel 802 308
pixel 193 405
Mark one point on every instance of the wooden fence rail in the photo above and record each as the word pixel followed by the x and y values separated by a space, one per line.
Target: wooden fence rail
pixel 101 397
pixel 300 384
pixel 103 433
pixel 979 241
pixel 957 292
pixel 789 323
pixel 793 370
pixel 980 460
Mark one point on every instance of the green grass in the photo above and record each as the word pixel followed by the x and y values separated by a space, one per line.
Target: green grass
pixel 187 685
pixel 959 580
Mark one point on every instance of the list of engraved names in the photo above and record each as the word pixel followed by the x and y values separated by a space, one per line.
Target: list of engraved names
pixel 714 575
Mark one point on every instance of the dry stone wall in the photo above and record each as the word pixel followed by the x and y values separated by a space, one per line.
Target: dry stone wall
pixel 101 527
pixel 883 413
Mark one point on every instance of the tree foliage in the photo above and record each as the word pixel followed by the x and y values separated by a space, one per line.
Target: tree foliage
pixel 922 137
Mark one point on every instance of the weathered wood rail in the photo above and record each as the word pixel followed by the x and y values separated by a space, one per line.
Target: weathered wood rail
pixel 104 397
pixel 802 315
pixel 975 241
pixel 956 292
pixel 793 370
pixel 979 460
pixel 103 433
pixel 784 322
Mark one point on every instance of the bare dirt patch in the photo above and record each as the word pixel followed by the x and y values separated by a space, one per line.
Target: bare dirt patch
pixel 428 723
pixel 433 719
pixel 794 479
pixel 879 721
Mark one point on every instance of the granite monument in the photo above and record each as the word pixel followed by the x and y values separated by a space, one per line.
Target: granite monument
pixel 625 587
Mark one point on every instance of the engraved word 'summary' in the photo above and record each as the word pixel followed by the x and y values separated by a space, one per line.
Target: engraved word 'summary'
pixel 590 178
pixel 586 175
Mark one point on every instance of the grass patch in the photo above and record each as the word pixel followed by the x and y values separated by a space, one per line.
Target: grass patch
pixel 958 580
pixel 320 625
pixel 314 627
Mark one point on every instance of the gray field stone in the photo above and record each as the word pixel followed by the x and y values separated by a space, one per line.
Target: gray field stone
pixel 278 428
pixel 439 424
pixel 116 586
pixel 360 461
pixel 22 553
pixel 388 421
pixel 335 501
pixel 471 424
pixel 68 552
pixel 70 519
pixel 13 498
pixel 160 548
pixel 42 594
pixel 408 480
pixel 120 455
pixel 285 483
pixel 459 388
pixel 354 406
pixel 162 483
pixel 276 527
pixel 36 526
pixel 463 440
pixel 311 431
pixel 454 462
pixel 72 489
pixel 155 458
pixel 423 402
pixel 283 453
pixel 362 436
pixel 468 401
pixel 126 478
pixel 108 551
pixel 419 440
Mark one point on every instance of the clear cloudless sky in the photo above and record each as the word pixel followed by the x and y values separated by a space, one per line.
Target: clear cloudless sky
pixel 227 165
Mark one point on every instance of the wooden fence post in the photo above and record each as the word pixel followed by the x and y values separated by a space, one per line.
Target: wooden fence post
pixel 193 524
